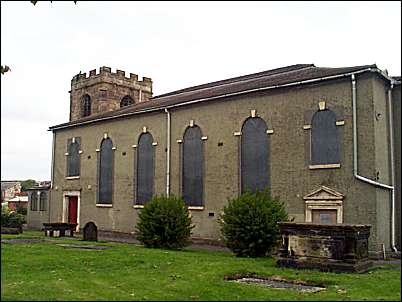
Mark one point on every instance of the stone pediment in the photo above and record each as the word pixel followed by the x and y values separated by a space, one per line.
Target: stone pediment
pixel 324 193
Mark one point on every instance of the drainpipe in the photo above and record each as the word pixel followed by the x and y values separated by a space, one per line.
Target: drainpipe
pixel 391 140
pixel 355 170
pixel 167 152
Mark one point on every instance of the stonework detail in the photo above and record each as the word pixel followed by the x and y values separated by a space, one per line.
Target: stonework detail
pixel 106 91
pixel 324 198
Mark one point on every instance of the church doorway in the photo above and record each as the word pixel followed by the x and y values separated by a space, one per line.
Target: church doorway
pixel 72 209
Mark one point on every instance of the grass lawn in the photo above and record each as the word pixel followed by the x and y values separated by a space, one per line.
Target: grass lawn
pixel 47 271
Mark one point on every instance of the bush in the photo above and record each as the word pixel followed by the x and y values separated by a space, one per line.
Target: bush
pixel 164 222
pixel 11 219
pixel 22 210
pixel 249 224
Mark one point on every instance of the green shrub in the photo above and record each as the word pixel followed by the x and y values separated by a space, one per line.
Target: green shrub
pixel 11 219
pixel 164 222
pixel 249 224
pixel 4 216
pixel 22 210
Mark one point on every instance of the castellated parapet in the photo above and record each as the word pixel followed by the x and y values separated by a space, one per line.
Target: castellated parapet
pixel 106 90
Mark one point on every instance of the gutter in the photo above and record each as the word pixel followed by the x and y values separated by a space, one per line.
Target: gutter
pixel 355 168
pixel 158 108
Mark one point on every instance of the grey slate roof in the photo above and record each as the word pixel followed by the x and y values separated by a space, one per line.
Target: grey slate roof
pixel 274 77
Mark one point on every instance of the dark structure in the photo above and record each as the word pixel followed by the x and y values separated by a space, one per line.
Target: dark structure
pixel 90 232
pixel 329 248
pixel 59 229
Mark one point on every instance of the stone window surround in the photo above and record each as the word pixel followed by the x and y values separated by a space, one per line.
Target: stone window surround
pixel 73 140
pixel 154 144
pixel 331 201
pixel 192 124
pixel 323 106
pixel 114 148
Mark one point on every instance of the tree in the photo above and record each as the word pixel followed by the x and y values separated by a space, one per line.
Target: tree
pixel 26 184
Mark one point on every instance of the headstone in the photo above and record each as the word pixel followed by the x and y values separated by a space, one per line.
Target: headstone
pixel 90 232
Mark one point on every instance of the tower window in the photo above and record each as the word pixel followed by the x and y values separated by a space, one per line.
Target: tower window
pixel 126 101
pixel 86 105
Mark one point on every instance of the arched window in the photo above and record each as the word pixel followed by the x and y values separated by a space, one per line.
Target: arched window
pixel 145 168
pixel 254 155
pixel 73 158
pixel 86 105
pixel 324 138
pixel 126 101
pixel 34 201
pixel 105 175
pixel 192 173
pixel 42 201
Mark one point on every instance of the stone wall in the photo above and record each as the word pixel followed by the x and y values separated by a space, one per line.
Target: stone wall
pixel 284 110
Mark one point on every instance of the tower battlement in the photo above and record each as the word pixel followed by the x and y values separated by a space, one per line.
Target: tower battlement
pixel 106 75
pixel 105 91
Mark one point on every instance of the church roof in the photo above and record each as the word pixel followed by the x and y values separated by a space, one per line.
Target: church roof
pixel 276 78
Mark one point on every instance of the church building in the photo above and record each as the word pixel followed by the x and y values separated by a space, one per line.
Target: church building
pixel 325 141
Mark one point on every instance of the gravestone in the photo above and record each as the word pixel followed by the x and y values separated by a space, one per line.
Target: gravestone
pixel 90 232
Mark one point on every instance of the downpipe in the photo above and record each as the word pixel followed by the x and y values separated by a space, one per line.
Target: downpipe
pixel 355 168
pixel 167 152
pixel 392 157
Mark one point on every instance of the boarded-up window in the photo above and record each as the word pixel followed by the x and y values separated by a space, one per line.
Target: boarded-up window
pixel 192 173
pixel 126 101
pixel 42 201
pixel 324 138
pixel 34 201
pixel 145 168
pixel 86 105
pixel 254 155
pixel 73 159
pixel 105 177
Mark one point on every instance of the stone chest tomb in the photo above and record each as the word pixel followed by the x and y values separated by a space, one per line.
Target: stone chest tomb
pixel 327 247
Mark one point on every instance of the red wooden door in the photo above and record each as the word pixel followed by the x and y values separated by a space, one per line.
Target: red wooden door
pixel 72 209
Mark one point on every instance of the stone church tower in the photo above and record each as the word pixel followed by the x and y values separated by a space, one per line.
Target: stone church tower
pixel 106 91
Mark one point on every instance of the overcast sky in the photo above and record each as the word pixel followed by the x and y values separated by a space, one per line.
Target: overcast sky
pixel 176 44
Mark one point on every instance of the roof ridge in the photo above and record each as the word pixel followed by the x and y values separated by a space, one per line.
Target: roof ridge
pixel 251 76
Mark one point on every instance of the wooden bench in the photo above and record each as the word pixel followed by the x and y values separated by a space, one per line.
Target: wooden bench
pixel 59 229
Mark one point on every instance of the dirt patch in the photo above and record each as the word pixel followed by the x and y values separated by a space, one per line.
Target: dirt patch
pixel 276 282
